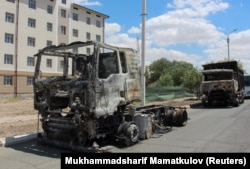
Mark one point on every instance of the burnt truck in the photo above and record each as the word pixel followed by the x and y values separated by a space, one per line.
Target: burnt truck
pixel 87 93
pixel 222 84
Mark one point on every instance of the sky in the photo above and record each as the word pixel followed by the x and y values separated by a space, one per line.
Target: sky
pixel 194 31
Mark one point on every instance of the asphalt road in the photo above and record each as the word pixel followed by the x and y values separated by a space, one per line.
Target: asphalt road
pixel 207 130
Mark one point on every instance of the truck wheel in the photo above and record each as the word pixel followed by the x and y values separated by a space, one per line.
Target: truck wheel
pixel 236 103
pixel 128 132
pixel 180 117
pixel 132 134
pixel 82 138
pixel 206 104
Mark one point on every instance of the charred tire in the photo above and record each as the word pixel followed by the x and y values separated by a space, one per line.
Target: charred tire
pixel 204 104
pixel 169 117
pixel 82 138
pixel 129 132
pixel 180 117
pixel 132 134
pixel 236 103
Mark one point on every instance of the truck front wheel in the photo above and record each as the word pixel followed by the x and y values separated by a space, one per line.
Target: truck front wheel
pixel 129 133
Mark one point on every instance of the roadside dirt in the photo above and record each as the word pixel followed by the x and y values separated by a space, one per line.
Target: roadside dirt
pixel 18 117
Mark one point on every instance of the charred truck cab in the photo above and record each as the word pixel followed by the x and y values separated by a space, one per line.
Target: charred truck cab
pixel 91 96
pixel 223 84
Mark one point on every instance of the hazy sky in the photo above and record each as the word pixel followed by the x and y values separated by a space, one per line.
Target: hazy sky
pixel 194 31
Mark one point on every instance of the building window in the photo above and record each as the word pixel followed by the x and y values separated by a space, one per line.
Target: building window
pixel 9 38
pixel 75 17
pixel 8 80
pixel 98 24
pixel 30 61
pixel 88 21
pixel 49 43
pixel 31 22
pixel 63 30
pixel 49 63
pixel 29 81
pixel 49 9
pixel 9 17
pixel 31 41
pixel 13 1
pixel 64 1
pixel 75 32
pixel 75 50
pixel 8 59
pixel 61 65
pixel 88 50
pixel 63 13
pixel 98 38
pixel 88 36
pixel 49 27
pixel 32 4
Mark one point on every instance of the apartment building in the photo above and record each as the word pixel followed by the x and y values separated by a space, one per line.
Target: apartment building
pixel 29 25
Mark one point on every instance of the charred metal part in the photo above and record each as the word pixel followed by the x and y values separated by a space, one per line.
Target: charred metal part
pixel 89 98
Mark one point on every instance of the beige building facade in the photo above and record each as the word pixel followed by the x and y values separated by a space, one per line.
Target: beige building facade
pixel 30 25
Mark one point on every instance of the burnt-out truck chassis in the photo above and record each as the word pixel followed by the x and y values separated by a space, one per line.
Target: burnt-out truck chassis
pixel 88 92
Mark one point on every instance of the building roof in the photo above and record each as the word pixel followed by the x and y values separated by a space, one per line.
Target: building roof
pixel 90 10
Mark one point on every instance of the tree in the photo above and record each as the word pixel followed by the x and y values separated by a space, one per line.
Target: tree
pixel 177 71
pixel 165 80
pixel 192 80
pixel 157 68
pixel 164 72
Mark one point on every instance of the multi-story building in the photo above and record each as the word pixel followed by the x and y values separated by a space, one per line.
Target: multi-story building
pixel 29 25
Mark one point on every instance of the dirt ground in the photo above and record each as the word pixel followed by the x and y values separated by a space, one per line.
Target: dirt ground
pixel 18 117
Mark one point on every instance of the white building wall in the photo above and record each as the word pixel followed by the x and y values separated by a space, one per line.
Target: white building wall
pixel 6 27
pixel 41 35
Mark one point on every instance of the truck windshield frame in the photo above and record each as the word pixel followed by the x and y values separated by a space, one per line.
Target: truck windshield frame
pixel 218 76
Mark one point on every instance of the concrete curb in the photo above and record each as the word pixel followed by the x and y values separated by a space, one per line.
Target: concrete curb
pixel 195 105
pixel 8 141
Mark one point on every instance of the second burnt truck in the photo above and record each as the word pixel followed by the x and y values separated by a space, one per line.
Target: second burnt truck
pixel 91 96
pixel 223 84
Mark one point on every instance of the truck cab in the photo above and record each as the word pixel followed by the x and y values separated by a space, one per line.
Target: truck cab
pixel 222 84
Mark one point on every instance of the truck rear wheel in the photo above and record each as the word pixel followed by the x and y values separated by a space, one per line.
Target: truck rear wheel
pixel 236 103
pixel 180 117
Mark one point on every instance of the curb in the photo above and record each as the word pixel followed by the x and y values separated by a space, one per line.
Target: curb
pixel 195 105
pixel 8 141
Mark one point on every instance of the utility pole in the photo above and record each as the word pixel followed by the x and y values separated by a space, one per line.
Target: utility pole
pixel 228 51
pixel 138 57
pixel 16 49
pixel 143 53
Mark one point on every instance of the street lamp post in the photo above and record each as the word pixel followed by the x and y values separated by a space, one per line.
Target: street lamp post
pixel 228 52
pixel 143 90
